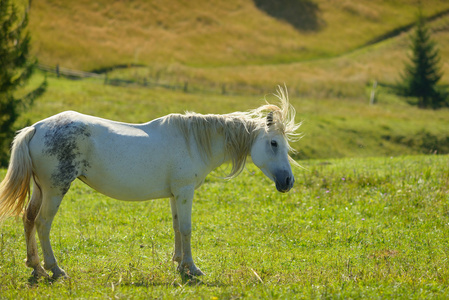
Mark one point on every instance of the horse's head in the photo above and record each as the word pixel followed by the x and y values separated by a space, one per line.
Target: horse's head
pixel 270 154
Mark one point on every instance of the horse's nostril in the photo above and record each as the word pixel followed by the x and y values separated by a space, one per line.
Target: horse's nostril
pixel 288 180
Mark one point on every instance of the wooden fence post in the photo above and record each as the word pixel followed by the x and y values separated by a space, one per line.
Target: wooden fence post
pixel 372 98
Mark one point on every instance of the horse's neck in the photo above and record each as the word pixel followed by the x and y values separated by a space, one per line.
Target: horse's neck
pixel 235 149
pixel 218 155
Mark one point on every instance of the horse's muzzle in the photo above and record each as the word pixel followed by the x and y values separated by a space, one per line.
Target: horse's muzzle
pixel 284 181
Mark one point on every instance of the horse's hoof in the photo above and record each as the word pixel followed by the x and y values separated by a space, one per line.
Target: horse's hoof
pixel 59 273
pixel 190 271
pixel 58 276
pixel 197 272
pixel 39 272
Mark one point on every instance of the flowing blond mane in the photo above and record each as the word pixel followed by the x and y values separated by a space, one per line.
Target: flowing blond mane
pixel 239 129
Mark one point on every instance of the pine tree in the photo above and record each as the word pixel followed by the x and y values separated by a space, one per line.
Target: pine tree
pixel 15 69
pixel 423 72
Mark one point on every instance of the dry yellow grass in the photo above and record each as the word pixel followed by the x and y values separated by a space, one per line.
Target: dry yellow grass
pixel 348 75
pixel 94 34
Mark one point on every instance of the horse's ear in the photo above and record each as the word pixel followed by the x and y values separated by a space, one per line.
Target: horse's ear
pixel 270 119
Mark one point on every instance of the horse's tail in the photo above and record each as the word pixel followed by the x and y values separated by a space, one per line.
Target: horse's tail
pixel 15 187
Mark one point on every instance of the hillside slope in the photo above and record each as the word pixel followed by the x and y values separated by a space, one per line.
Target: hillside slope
pixel 91 35
pixel 348 75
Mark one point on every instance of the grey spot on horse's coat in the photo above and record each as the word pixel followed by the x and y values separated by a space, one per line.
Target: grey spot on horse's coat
pixel 61 141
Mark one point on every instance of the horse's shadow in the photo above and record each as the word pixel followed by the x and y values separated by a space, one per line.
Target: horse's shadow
pixel 34 281
pixel 195 281
pixel 185 280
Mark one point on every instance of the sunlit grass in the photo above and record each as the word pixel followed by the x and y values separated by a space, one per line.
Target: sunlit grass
pixel 96 34
pixel 348 75
pixel 350 228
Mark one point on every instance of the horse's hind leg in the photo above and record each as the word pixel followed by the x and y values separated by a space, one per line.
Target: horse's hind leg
pixel 50 203
pixel 30 232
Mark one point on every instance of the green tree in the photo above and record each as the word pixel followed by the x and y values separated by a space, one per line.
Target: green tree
pixel 16 68
pixel 423 72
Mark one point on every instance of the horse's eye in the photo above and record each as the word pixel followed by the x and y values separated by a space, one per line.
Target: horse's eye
pixel 274 143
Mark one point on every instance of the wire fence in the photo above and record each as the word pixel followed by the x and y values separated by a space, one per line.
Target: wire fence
pixel 171 81
pixel 149 82
pixel 60 71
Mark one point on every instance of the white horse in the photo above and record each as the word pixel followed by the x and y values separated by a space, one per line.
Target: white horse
pixel 166 158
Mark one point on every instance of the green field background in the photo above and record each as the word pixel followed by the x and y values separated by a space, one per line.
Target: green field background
pixel 368 216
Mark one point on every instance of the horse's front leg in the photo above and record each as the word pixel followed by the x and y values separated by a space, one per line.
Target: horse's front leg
pixel 183 200
pixel 177 255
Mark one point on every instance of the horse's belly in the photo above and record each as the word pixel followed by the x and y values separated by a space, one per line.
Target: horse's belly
pixel 125 188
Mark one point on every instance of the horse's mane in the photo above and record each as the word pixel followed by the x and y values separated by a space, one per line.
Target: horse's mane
pixel 240 129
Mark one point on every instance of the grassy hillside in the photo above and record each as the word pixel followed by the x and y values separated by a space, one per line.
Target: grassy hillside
pixel 318 48
pixel 96 34
pixel 348 75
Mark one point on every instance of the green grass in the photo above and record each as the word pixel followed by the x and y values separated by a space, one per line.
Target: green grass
pixel 350 228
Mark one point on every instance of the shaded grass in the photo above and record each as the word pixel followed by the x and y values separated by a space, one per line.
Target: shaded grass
pixel 374 227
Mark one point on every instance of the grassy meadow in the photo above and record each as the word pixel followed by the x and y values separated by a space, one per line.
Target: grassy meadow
pixel 350 228
pixel 369 214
